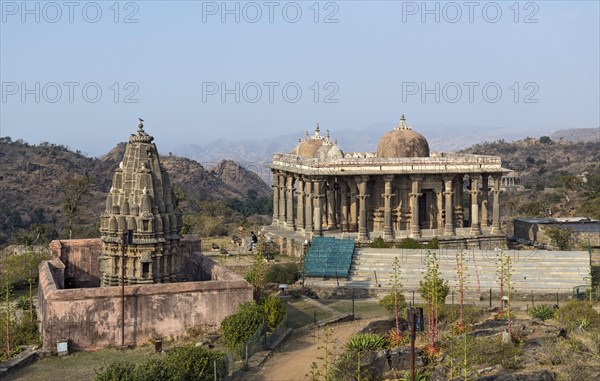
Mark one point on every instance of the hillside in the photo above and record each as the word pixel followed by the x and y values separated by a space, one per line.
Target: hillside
pixel 33 177
pixel 542 162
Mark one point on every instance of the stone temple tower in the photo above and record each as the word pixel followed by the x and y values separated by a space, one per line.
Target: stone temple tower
pixel 140 225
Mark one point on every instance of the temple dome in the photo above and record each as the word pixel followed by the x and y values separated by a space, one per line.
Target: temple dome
pixel 315 146
pixel 402 141
pixel 309 148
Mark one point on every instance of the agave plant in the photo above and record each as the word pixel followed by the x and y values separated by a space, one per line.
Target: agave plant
pixel 542 312
pixel 367 342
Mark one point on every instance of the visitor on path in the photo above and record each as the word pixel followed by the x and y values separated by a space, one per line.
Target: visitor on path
pixel 253 240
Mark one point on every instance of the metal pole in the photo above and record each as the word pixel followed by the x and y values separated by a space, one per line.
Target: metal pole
pixel 215 369
pixel 490 297
pixel 412 343
pixel 532 301
pixel 123 291
pixel 452 297
pixel 376 282
pixel 413 298
pixel 353 317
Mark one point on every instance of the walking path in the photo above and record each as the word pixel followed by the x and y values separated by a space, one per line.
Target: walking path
pixel 292 360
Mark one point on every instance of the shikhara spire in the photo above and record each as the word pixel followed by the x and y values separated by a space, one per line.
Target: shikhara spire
pixel 142 206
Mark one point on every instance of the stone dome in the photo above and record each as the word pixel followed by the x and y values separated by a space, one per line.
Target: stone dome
pixel 329 151
pixel 313 146
pixel 402 142
pixel 309 148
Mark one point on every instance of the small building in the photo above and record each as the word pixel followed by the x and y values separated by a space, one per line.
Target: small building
pixel 586 231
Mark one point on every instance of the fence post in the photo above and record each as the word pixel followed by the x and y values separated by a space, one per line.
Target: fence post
pixel 532 300
pixel 452 297
pixel 315 316
pixel 413 298
pixel 215 369
pixel 557 299
pixel 353 317
pixel 490 297
pixel 246 359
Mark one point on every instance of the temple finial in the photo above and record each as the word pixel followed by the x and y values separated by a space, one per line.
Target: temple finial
pixel 141 125
pixel 327 134
pixel 402 125
pixel 317 129
pixel 306 135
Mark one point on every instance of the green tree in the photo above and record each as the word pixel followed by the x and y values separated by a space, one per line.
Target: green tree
pixel 257 274
pixel 237 328
pixel 76 194
pixel 274 310
pixel 560 238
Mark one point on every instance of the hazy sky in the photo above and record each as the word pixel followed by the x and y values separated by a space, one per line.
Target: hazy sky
pixel 81 73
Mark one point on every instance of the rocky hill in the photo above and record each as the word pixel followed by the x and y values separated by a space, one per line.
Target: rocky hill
pixel 578 135
pixel 33 177
pixel 541 162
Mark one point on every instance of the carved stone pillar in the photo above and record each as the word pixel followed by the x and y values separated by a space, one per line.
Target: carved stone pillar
pixel 353 223
pixel 317 214
pixel 439 197
pixel 282 196
pixel 309 204
pixel 459 221
pixel 404 203
pixel 496 205
pixel 387 208
pixel 449 223
pixel 362 207
pixel 475 226
pixel 415 228
pixel 344 205
pixel 484 200
pixel 300 204
pixel 290 203
pixel 330 203
pixel 275 198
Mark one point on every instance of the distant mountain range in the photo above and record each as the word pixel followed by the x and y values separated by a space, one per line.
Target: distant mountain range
pixel 254 154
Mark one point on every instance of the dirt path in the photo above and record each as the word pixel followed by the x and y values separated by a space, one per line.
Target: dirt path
pixel 292 360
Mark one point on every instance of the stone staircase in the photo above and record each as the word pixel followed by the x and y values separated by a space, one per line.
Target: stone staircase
pixel 543 272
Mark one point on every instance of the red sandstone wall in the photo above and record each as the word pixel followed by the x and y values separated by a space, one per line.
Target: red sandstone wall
pixel 80 256
pixel 90 318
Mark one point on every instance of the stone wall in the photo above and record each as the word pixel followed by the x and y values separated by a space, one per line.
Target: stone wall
pixel 535 232
pixel 90 318
pixel 80 257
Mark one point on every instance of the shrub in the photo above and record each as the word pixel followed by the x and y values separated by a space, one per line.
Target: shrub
pixel 282 273
pixel 409 243
pixel 183 363
pixel 117 371
pixel 542 312
pixel 433 244
pixel 578 314
pixel 237 328
pixel 274 311
pixel 379 243
pixel 361 342
pixel 387 302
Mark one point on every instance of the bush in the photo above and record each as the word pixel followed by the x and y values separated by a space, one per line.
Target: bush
pixel 542 312
pixel 449 313
pixel 117 371
pixel 578 314
pixel 388 303
pixel 379 243
pixel 361 342
pixel 237 328
pixel 409 243
pixel 282 273
pixel 182 363
pixel 433 244
pixel 274 311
